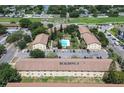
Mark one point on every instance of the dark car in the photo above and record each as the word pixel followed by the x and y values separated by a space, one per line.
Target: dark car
pixel 113 39
pixel 5 52
pixel 108 34
pixel 122 46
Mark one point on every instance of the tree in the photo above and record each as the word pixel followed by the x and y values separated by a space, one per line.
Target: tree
pixel 103 8
pixel 119 59
pixel 114 77
pixel 8 74
pixel 56 9
pixel 14 37
pixel 94 31
pixel 61 28
pixel 71 29
pixel 21 44
pixel 1 9
pixel 38 9
pixel 94 11
pixel 2 29
pixel 36 53
pixel 27 38
pixel 74 14
pixel 122 66
pixel 50 25
pixel 25 23
pixel 35 25
pixel 38 30
pixel 59 45
pixel 2 49
pixel 113 13
pixel 102 38
pixel 53 36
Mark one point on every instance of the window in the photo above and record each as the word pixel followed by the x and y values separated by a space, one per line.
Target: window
pixel 100 74
pixel 94 74
pixel 27 73
pixel 88 74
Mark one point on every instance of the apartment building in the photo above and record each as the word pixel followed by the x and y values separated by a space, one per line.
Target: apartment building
pixel 91 41
pixel 40 67
pixel 40 42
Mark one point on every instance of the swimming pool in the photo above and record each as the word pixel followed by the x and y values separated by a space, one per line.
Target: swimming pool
pixel 64 43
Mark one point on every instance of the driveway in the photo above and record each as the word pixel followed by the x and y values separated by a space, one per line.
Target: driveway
pixel 23 54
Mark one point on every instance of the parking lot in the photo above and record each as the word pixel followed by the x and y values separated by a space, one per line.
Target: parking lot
pixel 117 48
pixel 81 53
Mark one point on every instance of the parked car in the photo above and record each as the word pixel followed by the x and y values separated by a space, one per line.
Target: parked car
pixel 108 34
pixel 113 39
pixel 116 43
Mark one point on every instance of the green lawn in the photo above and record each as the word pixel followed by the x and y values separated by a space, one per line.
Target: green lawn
pixel 81 20
pixel 86 20
pixel 32 19
pixel 114 31
pixel 17 19
pixel 63 80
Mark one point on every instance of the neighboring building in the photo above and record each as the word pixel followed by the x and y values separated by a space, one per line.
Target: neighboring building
pixel 102 16
pixel 1 15
pixel 40 42
pixel 28 15
pixel 121 32
pixel 61 85
pixel 83 30
pixel 40 67
pixel 121 13
pixel 91 41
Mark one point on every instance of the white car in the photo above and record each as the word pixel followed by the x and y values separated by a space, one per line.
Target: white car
pixel 116 43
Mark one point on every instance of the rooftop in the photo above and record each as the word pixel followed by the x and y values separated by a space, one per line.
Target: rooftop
pixel 83 29
pixel 90 38
pixel 56 64
pixel 41 39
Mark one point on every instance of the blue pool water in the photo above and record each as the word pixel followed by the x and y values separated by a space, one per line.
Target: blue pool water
pixel 64 42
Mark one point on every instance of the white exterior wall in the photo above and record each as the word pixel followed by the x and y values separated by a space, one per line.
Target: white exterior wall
pixel 60 73
pixel 39 46
pixel 94 46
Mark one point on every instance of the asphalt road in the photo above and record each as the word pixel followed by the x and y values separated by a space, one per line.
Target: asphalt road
pixel 117 49
pixel 6 58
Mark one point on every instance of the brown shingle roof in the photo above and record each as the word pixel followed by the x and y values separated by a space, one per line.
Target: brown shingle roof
pixel 61 85
pixel 41 38
pixel 63 64
pixel 90 39
pixel 88 36
pixel 83 29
